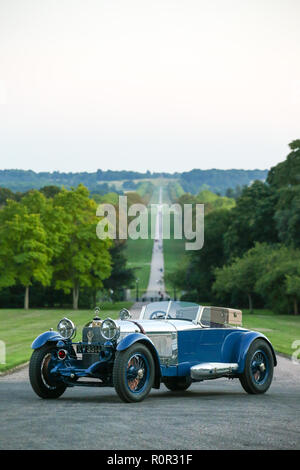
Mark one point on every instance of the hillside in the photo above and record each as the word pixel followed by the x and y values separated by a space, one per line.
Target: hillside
pixel 103 181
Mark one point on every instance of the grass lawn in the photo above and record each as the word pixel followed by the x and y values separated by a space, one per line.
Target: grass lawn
pixel 18 328
pixel 281 330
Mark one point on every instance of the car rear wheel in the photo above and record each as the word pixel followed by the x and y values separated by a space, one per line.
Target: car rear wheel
pixel 178 384
pixel 42 383
pixel 133 373
pixel 259 365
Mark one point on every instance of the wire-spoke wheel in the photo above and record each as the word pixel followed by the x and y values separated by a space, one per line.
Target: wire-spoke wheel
pixel 133 373
pixel 41 381
pixel 259 365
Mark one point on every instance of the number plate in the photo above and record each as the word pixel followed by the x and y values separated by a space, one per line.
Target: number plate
pixel 88 348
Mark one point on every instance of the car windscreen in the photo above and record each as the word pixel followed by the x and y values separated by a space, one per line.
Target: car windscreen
pixel 171 310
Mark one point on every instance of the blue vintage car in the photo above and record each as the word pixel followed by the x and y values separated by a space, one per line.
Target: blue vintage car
pixel 175 343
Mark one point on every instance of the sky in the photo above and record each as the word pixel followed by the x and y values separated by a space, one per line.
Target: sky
pixel 160 85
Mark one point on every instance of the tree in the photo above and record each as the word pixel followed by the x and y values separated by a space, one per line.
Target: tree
pixel 52 218
pixel 293 287
pixel 287 215
pixel 242 274
pixel 85 260
pixel 279 279
pixel 121 276
pixel 24 252
pixel 252 220
pixel 50 191
pixel 5 194
pixel 196 274
pixel 287 172
pixel 203 263
pixel 177 279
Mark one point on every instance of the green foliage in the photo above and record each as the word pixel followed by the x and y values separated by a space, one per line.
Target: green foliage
pixel 242 274
pixel 84 259
pixel 234 193
pixel 24 251
pixel 201 270
pixel 279 278
pixel 273 272
pixel 219 181
pixel 129 185
pixel 121 276
pixel 252 220
pixel 145 191
pixel 5 194
pixel 287 172
pixel 212 201
pixel 108 198
pixel 101 181
pixel 198 274
pixel 175 191
pixel 187 198
pixel 243 241
pixel 287 215
pixel 50 191
pixel 53 240
pixel 292 284
pixel 176 280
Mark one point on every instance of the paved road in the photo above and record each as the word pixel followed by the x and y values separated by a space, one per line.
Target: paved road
pixel 210 415
pixel 156 287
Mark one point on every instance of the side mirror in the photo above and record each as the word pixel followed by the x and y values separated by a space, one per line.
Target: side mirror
pixel 124 314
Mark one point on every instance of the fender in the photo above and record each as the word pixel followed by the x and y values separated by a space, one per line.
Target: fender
pixel 133 338
pixel 247 340
pixel 46 337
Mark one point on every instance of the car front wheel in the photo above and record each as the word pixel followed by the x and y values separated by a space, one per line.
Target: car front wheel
pixel 42 383
pixel 259 365
pixel 133 373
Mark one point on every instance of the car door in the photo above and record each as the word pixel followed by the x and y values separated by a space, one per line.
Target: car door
pixel 203 344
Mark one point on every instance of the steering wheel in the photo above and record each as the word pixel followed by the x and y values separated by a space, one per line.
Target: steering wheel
pixel 157 314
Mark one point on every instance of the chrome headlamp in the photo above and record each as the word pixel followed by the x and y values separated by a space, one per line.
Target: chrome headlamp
pixel 124 314
pixel 66 328
pixel 109 329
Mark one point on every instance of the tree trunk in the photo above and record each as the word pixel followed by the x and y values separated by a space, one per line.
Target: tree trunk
pixel 295 306
pixel 250 303
pixel 94 298
pixel 26 298
pixel 75 296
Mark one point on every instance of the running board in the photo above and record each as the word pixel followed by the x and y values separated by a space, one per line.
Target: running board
pixel 212 370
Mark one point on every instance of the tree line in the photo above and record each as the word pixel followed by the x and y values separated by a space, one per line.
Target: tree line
pixel 104 181
pixel 251 252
